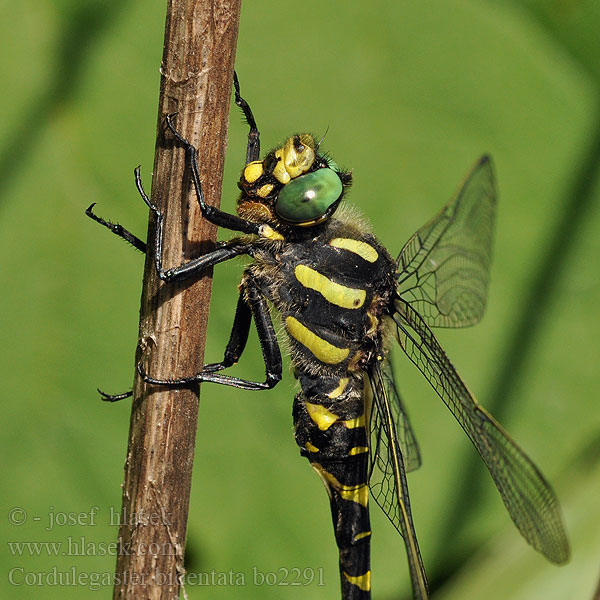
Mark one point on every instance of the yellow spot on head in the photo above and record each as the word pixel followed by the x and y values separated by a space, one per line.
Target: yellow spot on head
pixel 322 350
pixel 364 250
pixel 339 390
pixel 264 190
pixel 311 448
pixel 298 154
pixel 279 171
pixel 295 158
pixel 361 581
pixel 253 171
pixel 340 295
pixel 320 415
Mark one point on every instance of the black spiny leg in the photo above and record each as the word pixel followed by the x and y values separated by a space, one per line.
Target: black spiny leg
pixel 195 266
pixel 237 339
pixel 253 148
pixel 210 213
pixel 117 230
pixel 181 272
pixel 114 397
pixel 241 326
pixel 243 315
pixel 268 342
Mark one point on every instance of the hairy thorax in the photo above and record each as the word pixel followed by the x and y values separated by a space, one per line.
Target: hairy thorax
pixel 331 290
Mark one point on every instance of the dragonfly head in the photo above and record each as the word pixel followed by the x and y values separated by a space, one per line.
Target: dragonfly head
pixel 293 185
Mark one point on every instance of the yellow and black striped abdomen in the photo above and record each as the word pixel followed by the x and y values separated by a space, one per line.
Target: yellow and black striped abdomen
pixel 331 429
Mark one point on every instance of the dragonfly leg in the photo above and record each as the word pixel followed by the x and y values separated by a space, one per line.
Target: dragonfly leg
pixel 253 148
pixel 210 213
pixel 117 229
pixel 252 295
pixel 237 339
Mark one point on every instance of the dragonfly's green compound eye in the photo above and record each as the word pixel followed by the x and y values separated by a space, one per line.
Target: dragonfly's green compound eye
pixel 307 198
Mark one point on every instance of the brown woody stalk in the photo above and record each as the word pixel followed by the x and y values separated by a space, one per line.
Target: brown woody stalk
pixel 197 70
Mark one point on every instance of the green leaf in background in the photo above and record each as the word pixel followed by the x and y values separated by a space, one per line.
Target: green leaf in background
pixel 412 94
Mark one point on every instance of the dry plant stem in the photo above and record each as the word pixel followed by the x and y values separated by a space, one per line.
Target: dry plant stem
pixel 197 69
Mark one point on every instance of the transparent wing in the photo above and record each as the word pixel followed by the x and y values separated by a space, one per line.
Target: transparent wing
pixel 387 477
pixel 444 267
pixel 404 432
pixel 529 499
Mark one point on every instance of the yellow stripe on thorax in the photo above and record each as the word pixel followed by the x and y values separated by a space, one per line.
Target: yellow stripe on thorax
pixel 361 581
pixel 340 295
pixel 323 350
pixel 363 249
pixel 353 493
pixel 339 390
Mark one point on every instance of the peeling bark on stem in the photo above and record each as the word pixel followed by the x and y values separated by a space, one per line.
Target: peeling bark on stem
pixel 196 81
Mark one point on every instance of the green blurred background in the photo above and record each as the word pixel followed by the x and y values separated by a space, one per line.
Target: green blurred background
pixel 412 93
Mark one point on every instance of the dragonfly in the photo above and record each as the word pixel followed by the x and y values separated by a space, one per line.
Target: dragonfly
pixel 344 303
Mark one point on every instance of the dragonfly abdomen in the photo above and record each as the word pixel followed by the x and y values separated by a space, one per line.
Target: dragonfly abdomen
pixel 330 428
